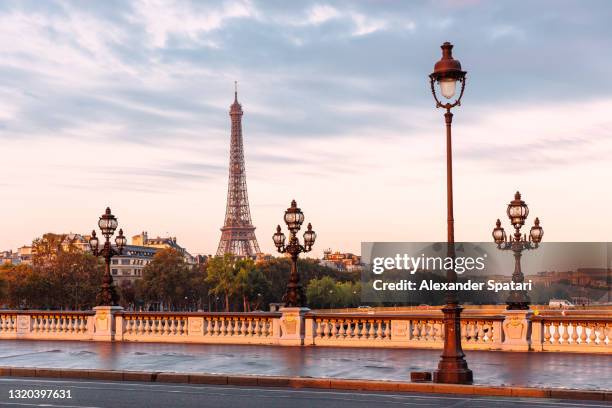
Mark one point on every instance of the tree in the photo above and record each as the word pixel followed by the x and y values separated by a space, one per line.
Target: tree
pixel 276 271
pixel 250 283
pixel 221 276
pixel 169 279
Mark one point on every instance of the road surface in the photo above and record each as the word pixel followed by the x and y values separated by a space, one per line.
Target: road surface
pixel 103 394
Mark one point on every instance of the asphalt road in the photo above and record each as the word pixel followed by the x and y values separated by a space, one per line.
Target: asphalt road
pixel 102 394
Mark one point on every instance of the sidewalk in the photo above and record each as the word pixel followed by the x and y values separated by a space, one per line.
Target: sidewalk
pixel 546 370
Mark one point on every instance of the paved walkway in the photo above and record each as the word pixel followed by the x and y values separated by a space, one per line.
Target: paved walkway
pixel 558 370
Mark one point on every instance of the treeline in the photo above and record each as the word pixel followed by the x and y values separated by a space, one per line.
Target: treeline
pixel 62 277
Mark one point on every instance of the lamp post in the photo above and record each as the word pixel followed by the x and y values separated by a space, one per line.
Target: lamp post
pixel 108 224
pixel 452 367
pixel 294 217
pixel 517 211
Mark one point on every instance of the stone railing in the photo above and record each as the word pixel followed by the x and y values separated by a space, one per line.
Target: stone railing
pixel 46 325
pixel 414 330
pixel 234 328
pixel 579 331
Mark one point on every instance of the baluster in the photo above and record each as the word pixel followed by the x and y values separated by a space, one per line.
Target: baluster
pixel 357 329
pixel 481 330
pixel 209 327
pixel 547 332
pixel 556 334
pixel 257 322
pixel 574 335
pixel 349 331
pixel 379 330
pixel 424 330
pixel 371 333
pixel 415 329
pixel 319 330
pixel 602 334
pixel 583 333
pixel 325 329
pixel 250 328
pixel 215 327
pixel 387 332
pixel 334 328
pixel 593 335
pixel 565 336
pixel 184 328
pixel 342 331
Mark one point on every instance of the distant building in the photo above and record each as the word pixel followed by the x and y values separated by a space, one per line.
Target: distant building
pixel 342 261
pixel 9 258
pixel 77 241
pixel 129 265
pixel 23 255
pixel 143 239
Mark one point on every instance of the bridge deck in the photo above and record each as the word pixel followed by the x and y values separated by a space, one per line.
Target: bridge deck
pixel 582 371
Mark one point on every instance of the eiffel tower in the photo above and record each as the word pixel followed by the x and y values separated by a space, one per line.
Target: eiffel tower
pixel 238 233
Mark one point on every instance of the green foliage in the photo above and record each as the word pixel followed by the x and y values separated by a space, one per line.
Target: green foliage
pixel 277 272
pixel 169 279
pixel 326 293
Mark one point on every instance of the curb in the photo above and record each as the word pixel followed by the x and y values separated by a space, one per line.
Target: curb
pixel 306 382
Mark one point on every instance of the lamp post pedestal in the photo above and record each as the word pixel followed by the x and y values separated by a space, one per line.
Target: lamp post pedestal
pixel 104 322
pixel 292 325
pixel 516 327
pixel 452 368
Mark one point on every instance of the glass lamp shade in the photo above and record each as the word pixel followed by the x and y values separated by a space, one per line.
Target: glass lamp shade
pixel 278 237
pixel 93 241
pixel 294 217
pixel 448 87
pixel 310 236
pixel 517 211
pixel 536 233
pixel 107 223
pixel 120 240
pixel 499 235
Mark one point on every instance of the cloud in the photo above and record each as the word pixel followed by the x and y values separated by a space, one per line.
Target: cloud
pixel 117 98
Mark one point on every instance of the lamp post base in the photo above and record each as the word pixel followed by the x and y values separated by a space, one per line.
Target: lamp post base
pixel 454 373
pixel 452 368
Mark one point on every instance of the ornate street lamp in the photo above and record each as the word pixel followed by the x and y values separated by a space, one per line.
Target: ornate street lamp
pixel 452 367
pixel 517 213
pixel 294 217
pixel 108 224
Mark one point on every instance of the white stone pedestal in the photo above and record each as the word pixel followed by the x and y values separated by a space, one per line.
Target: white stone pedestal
pixel 516 326
pixel 292 326
pixel 104 322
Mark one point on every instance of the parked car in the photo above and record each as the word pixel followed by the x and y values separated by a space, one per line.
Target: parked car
pixel 560 304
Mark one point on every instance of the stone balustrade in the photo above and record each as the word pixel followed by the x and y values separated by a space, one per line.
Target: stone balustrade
pixel 413 330
pixel 232 328
pixel 587 332
pixel 50 325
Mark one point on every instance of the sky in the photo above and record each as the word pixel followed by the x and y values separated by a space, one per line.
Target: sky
pixel 125 104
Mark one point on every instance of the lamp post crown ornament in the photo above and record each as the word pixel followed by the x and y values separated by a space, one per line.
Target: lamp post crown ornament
pixel 447 72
